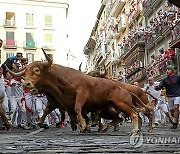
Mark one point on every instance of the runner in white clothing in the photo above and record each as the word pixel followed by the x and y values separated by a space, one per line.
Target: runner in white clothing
pixel 150 88
pixel 3 102
pixel 17 105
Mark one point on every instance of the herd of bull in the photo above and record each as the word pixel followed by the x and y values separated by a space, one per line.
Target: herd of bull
pixel 79 93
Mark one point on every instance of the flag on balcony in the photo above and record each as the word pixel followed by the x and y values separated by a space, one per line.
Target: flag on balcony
pixel 10 42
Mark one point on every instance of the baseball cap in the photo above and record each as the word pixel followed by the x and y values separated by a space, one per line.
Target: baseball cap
pixel 170 67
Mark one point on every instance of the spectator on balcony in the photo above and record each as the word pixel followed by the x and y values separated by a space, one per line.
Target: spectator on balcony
pixel 121 77
pixel 161 61
pixel 140 32
pixel 174 28
pixel 11 63
pixel 169 56
pixel 172 85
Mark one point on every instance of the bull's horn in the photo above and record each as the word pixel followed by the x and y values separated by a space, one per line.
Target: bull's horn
pixel 18 74
pixel 47 58
pixel 80 66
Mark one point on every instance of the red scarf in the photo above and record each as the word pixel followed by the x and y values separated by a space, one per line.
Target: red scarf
pixel 171 75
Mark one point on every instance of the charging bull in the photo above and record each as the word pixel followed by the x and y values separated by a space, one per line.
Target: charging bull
pixel 75 91
pixel 139 96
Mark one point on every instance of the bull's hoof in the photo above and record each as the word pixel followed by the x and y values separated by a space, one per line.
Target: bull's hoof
pixel 73 127
pixel 88 129
pixel 116 128
pixel 150 130
pixel 83 126
pixel 105 128
pixel 39 123
pixel 93 124
pixel 9 128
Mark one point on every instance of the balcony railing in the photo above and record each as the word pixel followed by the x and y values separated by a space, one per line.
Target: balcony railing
pixel 175 37
pixel 138 38
pixel 149 5
pixel 136 76
pixel 10 44
pixel 9 23
pixel 30 45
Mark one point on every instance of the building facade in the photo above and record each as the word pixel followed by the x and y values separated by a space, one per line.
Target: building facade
pixel 28 25
pixel 135 38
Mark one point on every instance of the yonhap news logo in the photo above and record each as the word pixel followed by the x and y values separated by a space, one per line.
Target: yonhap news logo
pixel 138 140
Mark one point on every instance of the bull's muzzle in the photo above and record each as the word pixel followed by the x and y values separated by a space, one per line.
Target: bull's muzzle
pixel 28 85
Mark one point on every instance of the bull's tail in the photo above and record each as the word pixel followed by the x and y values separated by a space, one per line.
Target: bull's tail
pixel 151 95
pixel 140 103
pixel 152 104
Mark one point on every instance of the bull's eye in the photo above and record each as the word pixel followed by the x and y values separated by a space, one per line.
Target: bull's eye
pixel 36 70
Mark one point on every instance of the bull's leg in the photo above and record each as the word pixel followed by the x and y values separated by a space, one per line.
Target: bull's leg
pixel 73 118
pixel 150 118
pixel 113 123
pixel 2 114
pixel 88 129
pixel 127 109
pixel 140 122
pixel 5 120
pixel 49 108
pixel 80 101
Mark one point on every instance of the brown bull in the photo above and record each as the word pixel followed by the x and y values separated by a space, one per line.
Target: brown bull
pixel 141 95
pixel 2 114
pixel 76 91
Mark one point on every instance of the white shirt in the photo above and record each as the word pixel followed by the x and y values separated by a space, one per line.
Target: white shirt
pixel 151 89
pixel 17 89
pixel 2 85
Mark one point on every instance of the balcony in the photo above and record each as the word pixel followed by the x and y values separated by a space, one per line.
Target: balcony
pixel 175 37
pixel 9 23
pixel 29 25
pixel 158 35
pixel 137 40
pixel 49 46
pixel 10 44
pixel 30 45
pixel 165 30
pixel 137 75
pixel 149 42
pixel 117 7
pixel 149 6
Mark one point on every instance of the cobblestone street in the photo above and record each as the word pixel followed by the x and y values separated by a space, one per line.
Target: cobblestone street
pixel 54 140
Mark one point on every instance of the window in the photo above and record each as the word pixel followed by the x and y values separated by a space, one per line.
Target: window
pixel 48 38
pixel 48 21
pixel 9 55
pixel 10 19
pixel 29 19
pixel 9 35
pixel 10 38
pixel 29 40
pixel 30 57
